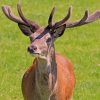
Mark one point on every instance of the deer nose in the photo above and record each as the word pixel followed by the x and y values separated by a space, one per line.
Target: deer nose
pixel 32 49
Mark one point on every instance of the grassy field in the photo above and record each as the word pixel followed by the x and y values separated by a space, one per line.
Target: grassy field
pixel 81 45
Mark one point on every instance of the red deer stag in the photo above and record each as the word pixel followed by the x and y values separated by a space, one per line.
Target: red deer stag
pixel 51 75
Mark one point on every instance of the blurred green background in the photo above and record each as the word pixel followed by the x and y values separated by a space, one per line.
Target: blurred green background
pixel 81 45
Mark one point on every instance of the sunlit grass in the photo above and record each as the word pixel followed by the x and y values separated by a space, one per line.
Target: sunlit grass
pixel 81 45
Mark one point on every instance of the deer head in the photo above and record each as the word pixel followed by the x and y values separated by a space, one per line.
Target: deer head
pixel 42 38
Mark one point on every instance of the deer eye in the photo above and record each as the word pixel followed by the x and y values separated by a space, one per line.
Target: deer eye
pixel 52 32
pixel 48 40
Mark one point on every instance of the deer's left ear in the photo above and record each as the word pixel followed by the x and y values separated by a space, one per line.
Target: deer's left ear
pixel 59 31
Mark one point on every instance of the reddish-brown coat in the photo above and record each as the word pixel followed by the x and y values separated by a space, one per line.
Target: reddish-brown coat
pixel 65 80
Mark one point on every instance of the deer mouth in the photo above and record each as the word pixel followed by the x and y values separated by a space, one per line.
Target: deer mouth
pixel 35 54
pixel 38 55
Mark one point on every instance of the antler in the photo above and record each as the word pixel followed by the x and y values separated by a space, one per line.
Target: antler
pixel 50 23
pixel 64 19
pixel 22 20
pixel 85 20
pixel 29 22
pixel 60 22
pixel 8 12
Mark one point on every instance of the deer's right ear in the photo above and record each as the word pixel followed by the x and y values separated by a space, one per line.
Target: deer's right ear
pixel 25 29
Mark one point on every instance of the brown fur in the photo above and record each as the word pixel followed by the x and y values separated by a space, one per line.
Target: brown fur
pixel 64 85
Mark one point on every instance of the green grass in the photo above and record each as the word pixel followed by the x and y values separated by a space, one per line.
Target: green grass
pixel 81 45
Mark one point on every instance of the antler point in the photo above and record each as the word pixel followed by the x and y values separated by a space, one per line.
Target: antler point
pixel 71 7
pixel 87 12
pixel 53 10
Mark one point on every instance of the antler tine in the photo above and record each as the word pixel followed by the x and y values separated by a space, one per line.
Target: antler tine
pixel 8 12
pixel 27 21
pixel 57 24
pixel 85 17
pixel 85 20
pixel 93 17
pixel 21 14
pixel 51 17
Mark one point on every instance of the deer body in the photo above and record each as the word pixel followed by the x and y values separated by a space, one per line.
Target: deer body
pixel 62 89
pixel 51 75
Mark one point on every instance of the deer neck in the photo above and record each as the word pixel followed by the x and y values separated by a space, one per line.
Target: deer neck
pixel 47 70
